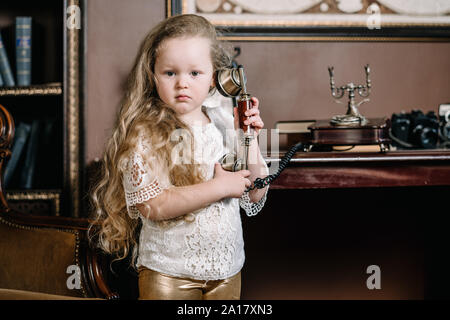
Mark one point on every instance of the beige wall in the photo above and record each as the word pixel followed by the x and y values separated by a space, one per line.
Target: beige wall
pixel 115 29
pixel 290 78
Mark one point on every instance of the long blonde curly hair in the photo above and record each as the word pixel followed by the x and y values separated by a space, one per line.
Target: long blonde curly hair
pixel 143 112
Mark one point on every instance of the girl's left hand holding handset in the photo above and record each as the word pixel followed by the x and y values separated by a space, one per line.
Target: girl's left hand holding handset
pixel 254 118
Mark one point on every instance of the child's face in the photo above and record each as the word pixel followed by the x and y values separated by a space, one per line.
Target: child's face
pixel 184 75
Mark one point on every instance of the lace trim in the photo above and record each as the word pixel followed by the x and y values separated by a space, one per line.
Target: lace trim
pixel 252 208
pixel 146 193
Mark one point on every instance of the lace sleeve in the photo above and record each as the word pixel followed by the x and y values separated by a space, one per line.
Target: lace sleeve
pixel 253 208
pixel 139 184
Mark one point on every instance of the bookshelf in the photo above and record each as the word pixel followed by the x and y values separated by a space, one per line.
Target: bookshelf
pixel 54 89
pixel 45 179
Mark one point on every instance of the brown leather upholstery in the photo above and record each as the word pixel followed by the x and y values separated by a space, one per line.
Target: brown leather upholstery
pixel 12 294
pixel 36 251
pixel 37 259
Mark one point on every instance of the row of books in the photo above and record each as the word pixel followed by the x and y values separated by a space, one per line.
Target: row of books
pixel 23 56
pixel 28 166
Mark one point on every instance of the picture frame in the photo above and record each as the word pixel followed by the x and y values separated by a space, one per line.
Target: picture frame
pixel 323 20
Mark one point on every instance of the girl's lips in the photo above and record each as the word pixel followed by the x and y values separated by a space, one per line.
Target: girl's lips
pixel 182 97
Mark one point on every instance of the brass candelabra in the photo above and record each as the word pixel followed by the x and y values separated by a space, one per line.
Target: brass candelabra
pixel 353 116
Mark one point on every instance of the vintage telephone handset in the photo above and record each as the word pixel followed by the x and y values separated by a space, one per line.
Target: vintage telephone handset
pixel 231 82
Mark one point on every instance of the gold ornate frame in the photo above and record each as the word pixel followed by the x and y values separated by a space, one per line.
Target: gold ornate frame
pixel 271 29
pixel 72 116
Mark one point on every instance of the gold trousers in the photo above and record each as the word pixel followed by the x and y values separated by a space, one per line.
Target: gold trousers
pixel 158 286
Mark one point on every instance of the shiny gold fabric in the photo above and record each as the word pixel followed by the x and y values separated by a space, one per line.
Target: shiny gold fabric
pixel 157 286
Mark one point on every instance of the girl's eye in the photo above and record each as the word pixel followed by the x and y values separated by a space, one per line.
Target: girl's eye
pixel 170 73
pixel 195 73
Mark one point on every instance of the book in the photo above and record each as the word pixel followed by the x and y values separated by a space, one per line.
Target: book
pixel 28 171
pixel 294 131
pixel 5 68
pixel 20 139
pixel 357 148
pixel 299 126
pixel 23 50
pixel 48 174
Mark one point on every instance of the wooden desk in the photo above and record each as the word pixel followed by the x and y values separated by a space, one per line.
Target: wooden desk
pixel 310 170
pixel 330 215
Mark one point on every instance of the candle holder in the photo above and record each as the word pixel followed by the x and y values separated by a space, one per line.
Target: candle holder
pixel 353 116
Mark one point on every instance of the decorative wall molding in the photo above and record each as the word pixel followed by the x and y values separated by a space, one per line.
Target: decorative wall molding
pixel 322 19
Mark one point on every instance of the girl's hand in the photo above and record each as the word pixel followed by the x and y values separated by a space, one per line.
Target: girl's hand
pixel 254 119
pixel 233 184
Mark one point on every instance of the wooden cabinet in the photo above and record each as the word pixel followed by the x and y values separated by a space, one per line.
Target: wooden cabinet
pixel 49 106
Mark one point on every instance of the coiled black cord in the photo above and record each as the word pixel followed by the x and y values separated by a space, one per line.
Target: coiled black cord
pixel 260 183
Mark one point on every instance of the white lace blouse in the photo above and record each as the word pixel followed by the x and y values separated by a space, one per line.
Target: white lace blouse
pixel 206 244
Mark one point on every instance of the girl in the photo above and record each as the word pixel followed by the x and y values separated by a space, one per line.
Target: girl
pixel 160 170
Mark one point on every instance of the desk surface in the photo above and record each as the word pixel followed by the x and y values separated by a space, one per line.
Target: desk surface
pixel 366 169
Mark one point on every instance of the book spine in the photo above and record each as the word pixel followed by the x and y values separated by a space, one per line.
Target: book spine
pixel 5 68
pixel 20 139
pixel 23 50
pixel 27 178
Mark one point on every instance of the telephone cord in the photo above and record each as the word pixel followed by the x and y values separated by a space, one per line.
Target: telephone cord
pixel 260 183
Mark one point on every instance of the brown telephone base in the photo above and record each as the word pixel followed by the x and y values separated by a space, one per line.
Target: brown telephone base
pixel 374 132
